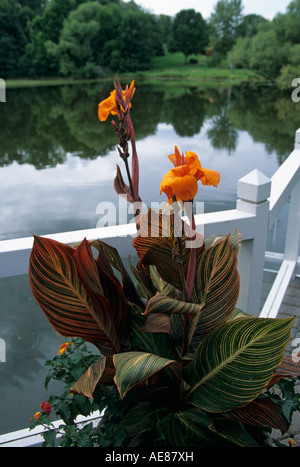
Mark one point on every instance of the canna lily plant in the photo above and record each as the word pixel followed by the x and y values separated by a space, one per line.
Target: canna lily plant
pixel 186 366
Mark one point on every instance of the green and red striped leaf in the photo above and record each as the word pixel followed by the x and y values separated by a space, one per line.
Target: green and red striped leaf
pixel 101 372
pixel 234 431
pixel 156 243
pixel 163 304
pixel 133 368
pixel 235 240
pixel 111 257
pixel 187 427
pixel 166 314
pixel 289 368
pixel 236 362
pixel 141 418
pixel 261 412
pixel 57 287
pixel 106 295
pixel 216 289
pixel 66 284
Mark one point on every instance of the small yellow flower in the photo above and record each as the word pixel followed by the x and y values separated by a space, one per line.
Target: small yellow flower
pixel 64 347
pixel 37 415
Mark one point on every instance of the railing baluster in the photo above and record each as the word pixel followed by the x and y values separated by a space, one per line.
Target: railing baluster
pixel 253 193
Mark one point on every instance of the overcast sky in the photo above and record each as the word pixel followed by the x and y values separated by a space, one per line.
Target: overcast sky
pixel 266 8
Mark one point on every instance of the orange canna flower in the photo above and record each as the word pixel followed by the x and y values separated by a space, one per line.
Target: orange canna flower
pixel 181 182
pixel 108 106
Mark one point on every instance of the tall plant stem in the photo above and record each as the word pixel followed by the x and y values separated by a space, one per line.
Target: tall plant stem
pixel 179 260
pixel 193 257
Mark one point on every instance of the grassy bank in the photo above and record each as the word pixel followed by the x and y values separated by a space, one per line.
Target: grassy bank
pixel 172 66
pixel 168 67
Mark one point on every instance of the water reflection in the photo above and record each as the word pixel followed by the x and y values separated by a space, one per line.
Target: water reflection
pixel 57 161
pixel 39 126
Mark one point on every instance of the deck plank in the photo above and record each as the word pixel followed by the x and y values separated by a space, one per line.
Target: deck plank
pixel 291 307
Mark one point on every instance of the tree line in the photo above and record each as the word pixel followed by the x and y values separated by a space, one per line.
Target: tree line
pixel 86 39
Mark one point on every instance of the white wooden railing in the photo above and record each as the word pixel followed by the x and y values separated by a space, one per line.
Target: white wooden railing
pixel 259 204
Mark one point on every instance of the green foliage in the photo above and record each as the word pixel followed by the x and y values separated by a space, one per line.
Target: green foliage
pixel 15 36
pixel 224 23
pixel 67 368
pixel 263 52
pixel 78 38
pixel 270 47
pixel 47 27
pixel 189 33
pixel 207 375
pixel 250 25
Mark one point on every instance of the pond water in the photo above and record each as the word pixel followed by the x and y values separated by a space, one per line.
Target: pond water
pixel 57 163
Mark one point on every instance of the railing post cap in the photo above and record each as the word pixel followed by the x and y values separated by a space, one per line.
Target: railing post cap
pixel 254 187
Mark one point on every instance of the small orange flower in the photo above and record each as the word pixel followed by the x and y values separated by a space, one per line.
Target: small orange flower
pixel 181 182
pixel 64 347
pixel 37 415
pixel 108 106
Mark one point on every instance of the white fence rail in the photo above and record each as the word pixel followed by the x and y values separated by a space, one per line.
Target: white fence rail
pixel 259 203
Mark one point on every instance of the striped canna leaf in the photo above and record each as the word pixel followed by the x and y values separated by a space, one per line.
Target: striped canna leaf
pixel 133 368
pixel 59 278
pixel 187 427
pixel 156 243
pixel 261 412
pixel 289 368
pixel 235 363
pixel 235 240
pixel 101 371
pixel 216 289
pixel 112 258
pixel 107 296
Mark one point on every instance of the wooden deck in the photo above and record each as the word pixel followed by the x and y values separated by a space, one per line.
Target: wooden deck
pixel 289 307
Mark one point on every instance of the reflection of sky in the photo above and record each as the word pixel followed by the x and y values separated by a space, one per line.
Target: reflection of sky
pixel 65 197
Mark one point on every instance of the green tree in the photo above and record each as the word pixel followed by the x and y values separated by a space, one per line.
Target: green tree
pixel 47 27
pixel 14 18
pixel 189 33
pixel 224 23
pixel 165 25
pixel 287 25
pixel 139 41
pixel 250 25
pixel 264 52
pixel 81 45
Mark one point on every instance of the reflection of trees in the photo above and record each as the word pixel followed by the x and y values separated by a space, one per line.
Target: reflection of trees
pixel 40 125
pixel 267 116
pixel 186 113
pixel 222 134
